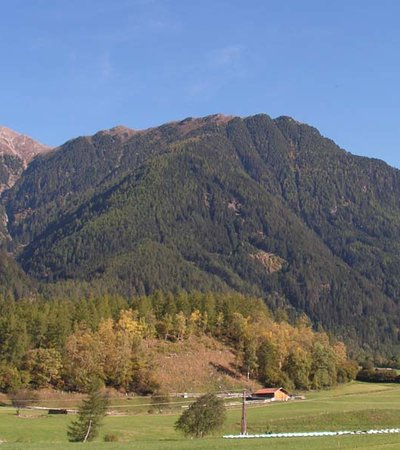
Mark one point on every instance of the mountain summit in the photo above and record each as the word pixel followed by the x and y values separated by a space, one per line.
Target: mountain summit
pixel 16 151
pixel 16 144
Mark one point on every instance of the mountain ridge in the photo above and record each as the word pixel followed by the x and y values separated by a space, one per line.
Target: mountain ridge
pixel 16 151
pixel 259 205
pixel 21 145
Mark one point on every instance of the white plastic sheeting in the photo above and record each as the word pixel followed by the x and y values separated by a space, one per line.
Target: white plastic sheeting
pixel 310 434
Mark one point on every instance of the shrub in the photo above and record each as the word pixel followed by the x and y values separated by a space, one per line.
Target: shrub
pixel 109 437
pixel 23 398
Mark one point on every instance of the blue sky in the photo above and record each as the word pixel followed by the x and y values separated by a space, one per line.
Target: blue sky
pixel 73 67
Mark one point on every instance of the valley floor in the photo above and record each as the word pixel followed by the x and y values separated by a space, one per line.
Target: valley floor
pixel 355 406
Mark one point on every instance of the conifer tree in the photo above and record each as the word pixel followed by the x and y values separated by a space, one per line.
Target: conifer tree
pixel 90 416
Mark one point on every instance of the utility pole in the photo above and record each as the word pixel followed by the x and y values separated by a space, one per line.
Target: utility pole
pixel 243 429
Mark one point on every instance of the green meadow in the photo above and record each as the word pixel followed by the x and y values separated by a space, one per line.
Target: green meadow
pixel 355 406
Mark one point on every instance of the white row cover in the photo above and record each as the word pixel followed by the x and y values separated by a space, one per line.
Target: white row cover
pixel 308 434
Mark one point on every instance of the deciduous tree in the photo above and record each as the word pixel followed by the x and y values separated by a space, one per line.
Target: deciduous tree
pixel 202 417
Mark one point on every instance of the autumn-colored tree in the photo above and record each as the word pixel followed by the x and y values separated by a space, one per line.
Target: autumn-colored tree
pixel 116 348
pixel 120 342
pixel 129 323
pixel 83 360
pixel 44 366
pixel 194 323
pixel 180 325
pixel 103 337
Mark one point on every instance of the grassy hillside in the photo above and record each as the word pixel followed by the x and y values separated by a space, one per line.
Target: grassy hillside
pixel 197 365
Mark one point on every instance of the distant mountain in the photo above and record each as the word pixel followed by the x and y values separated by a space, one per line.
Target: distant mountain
pixel 262 206
pixel 17 144
pixel 16 151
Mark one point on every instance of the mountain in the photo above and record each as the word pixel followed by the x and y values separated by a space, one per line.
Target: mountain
pixel 14 283
pixel 16 151
pixel 264 206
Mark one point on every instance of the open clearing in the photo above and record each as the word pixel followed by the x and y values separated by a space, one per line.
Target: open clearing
pixel 356 406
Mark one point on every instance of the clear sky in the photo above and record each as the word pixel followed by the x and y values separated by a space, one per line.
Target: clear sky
pixel 73 67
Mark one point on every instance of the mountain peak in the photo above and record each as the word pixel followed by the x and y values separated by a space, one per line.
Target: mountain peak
pixel 119 132
pixel 20 145
pixel 192 123
pixel 213 118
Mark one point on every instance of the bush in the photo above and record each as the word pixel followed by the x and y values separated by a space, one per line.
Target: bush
pixel 378 376
pixel 109 437
pixel 143 382
pixel 160 402
pixel 23 398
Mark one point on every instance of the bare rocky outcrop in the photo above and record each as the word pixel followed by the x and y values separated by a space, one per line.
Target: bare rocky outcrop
pixel 16 144
pixel 16 151
pixel 272 263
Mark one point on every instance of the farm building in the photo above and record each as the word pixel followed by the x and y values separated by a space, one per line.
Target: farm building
pixel 277 394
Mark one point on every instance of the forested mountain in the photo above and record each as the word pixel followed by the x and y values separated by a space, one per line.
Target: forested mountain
pixel 14 283
pixel 261 206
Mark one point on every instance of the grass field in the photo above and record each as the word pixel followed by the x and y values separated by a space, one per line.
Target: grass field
pixel 356 406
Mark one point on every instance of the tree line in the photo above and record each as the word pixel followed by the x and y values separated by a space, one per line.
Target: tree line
pixel 66 344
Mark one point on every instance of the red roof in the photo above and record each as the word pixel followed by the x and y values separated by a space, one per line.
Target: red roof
pixel 270 391
pixel 267 391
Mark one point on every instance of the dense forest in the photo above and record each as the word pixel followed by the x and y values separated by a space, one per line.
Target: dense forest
pixel 264 207
pixel 68 344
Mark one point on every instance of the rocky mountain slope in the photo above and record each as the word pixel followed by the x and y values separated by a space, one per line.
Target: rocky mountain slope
pixel 16 151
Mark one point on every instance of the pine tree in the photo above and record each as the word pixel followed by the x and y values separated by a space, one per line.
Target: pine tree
pixel 90 415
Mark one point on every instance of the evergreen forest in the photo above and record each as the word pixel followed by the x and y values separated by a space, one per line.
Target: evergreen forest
pixel 261 207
